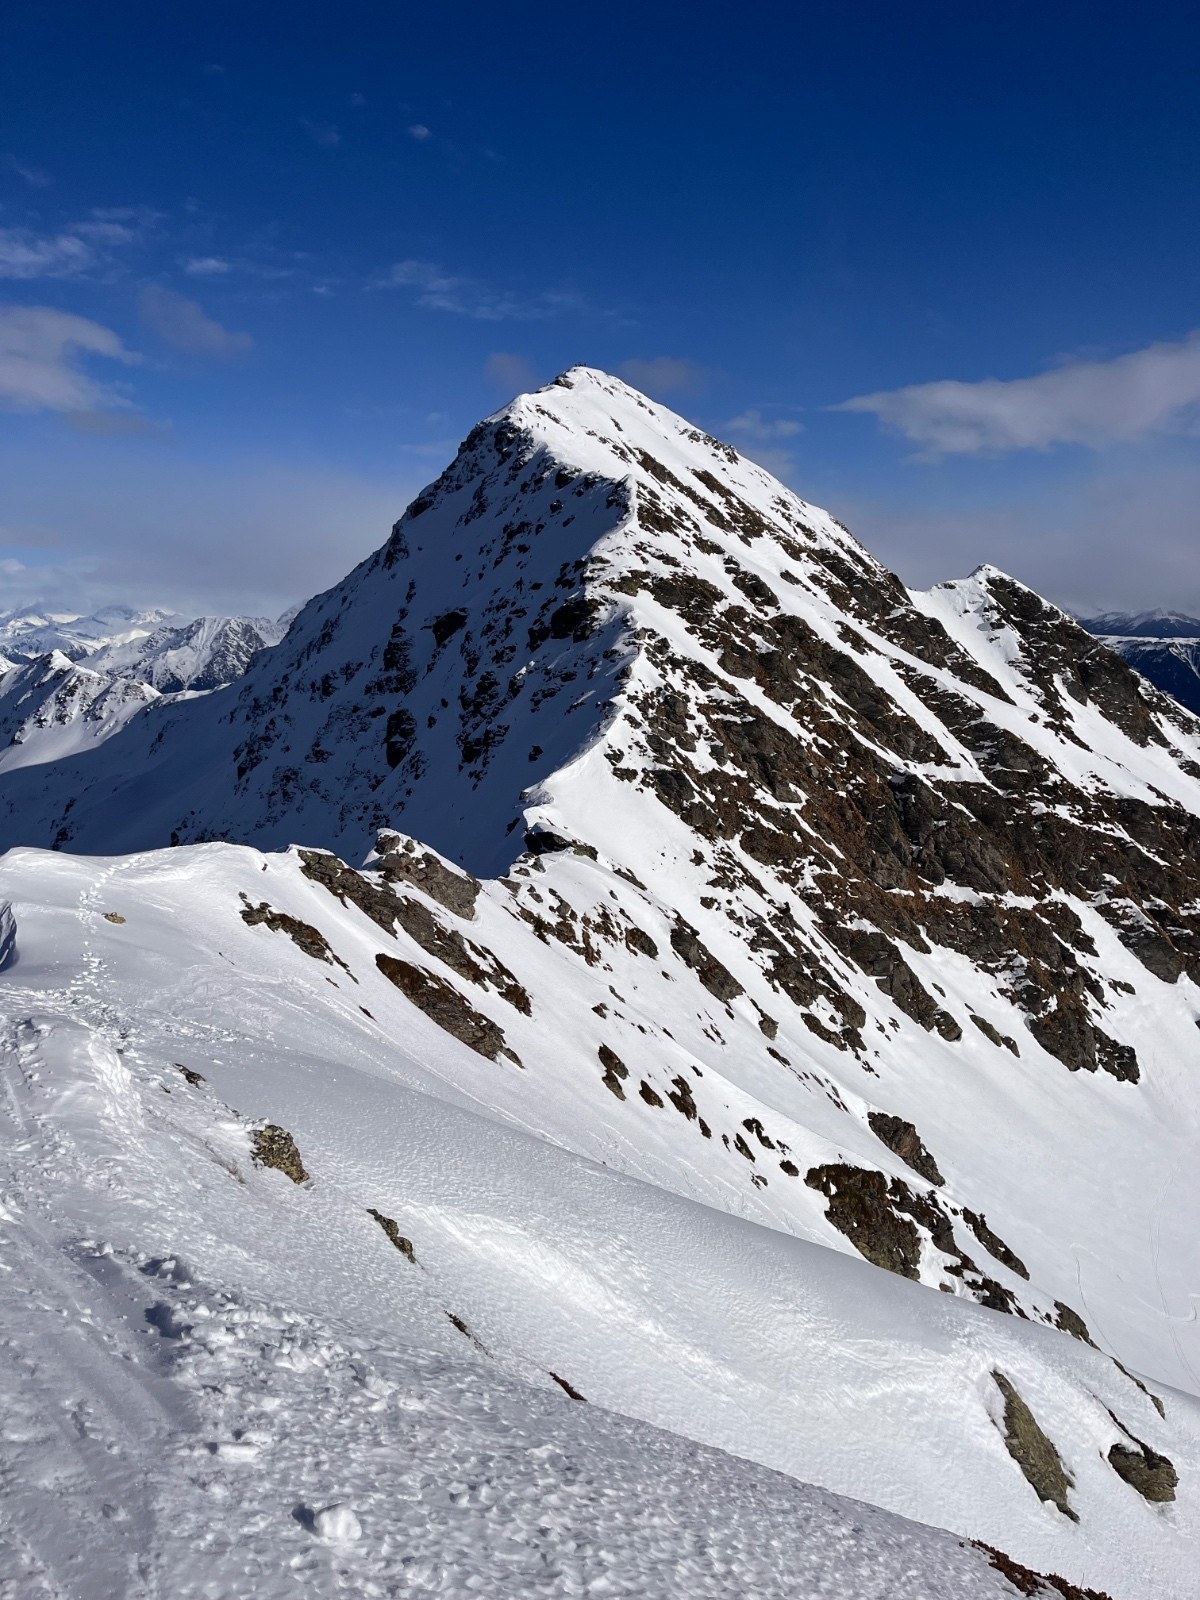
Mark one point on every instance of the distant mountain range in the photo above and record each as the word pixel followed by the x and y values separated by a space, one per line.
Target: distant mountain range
pixel 69 682
pixel 1164 646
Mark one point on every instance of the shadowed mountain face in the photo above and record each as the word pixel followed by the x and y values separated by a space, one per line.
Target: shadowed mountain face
pixel 1164 646
pixel 638 805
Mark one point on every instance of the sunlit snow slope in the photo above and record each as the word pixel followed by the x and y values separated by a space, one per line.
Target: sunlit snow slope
pixel 203 1357
pixel 809 912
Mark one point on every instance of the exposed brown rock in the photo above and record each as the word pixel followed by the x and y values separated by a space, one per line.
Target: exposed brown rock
pixel 994 1244
pixel 615 1071
pixel 1071 1322
pixel 445 1006
pixel 1037 1584
pixel 272 1146
pixel 403 861
pixel 392 1229
pixel 903 1140
pixel 715 977
pixel 1033 1452
pixel 302 934
pixel 1152 1475
pixel 859 1207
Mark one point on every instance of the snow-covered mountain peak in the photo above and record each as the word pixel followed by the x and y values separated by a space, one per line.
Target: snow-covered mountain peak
pixel 698 844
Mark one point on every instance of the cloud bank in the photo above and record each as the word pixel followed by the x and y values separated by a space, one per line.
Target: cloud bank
pixel 471 297
pixel 1092 403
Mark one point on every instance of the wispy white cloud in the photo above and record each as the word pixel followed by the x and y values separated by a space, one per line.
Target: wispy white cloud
pixel 117 424
pixel 1121 538
pixel 70 251
pixel 322 133
pixel 182 324
pixel 40 354
pixel 511 373
pixel 420 132
pixel 664 374
pixel 206 266
pixel 27 255
pixel 472 297
pixel 1093 403
pixel 36 177
pixel 753 425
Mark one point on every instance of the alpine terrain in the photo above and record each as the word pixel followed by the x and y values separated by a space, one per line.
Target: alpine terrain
pixel 1164 646
pixel 629 1054
pixel 68 683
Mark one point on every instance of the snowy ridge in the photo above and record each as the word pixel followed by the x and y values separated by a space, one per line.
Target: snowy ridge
pixel 206 653
pixel 819 911
pixel 1143 625
pixel 51 708
pixel 29 631
pixel 240 1353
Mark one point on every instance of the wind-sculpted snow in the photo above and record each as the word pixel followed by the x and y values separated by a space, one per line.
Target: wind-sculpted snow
pixel 225 1381
pixel 698 848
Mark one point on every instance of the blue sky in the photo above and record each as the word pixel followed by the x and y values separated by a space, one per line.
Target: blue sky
pixel 262 266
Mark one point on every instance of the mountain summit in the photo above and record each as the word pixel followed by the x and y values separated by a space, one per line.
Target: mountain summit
pixel 522 610
pixel 758 903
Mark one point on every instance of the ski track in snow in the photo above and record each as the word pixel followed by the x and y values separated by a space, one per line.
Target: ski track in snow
pixel 202 1445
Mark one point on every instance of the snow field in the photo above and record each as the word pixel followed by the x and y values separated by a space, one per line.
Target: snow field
pixel 802 1359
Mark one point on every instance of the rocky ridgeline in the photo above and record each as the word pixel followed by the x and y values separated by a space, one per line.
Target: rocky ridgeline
pixel 703 745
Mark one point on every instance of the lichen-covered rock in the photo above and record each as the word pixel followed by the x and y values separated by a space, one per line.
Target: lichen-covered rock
pixel 273 1146
pixel 1152 1475
pixel 1033 1451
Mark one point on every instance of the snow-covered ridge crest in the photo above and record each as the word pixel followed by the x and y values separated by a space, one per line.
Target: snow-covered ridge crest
pixel 437 1278
pixel 697 844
